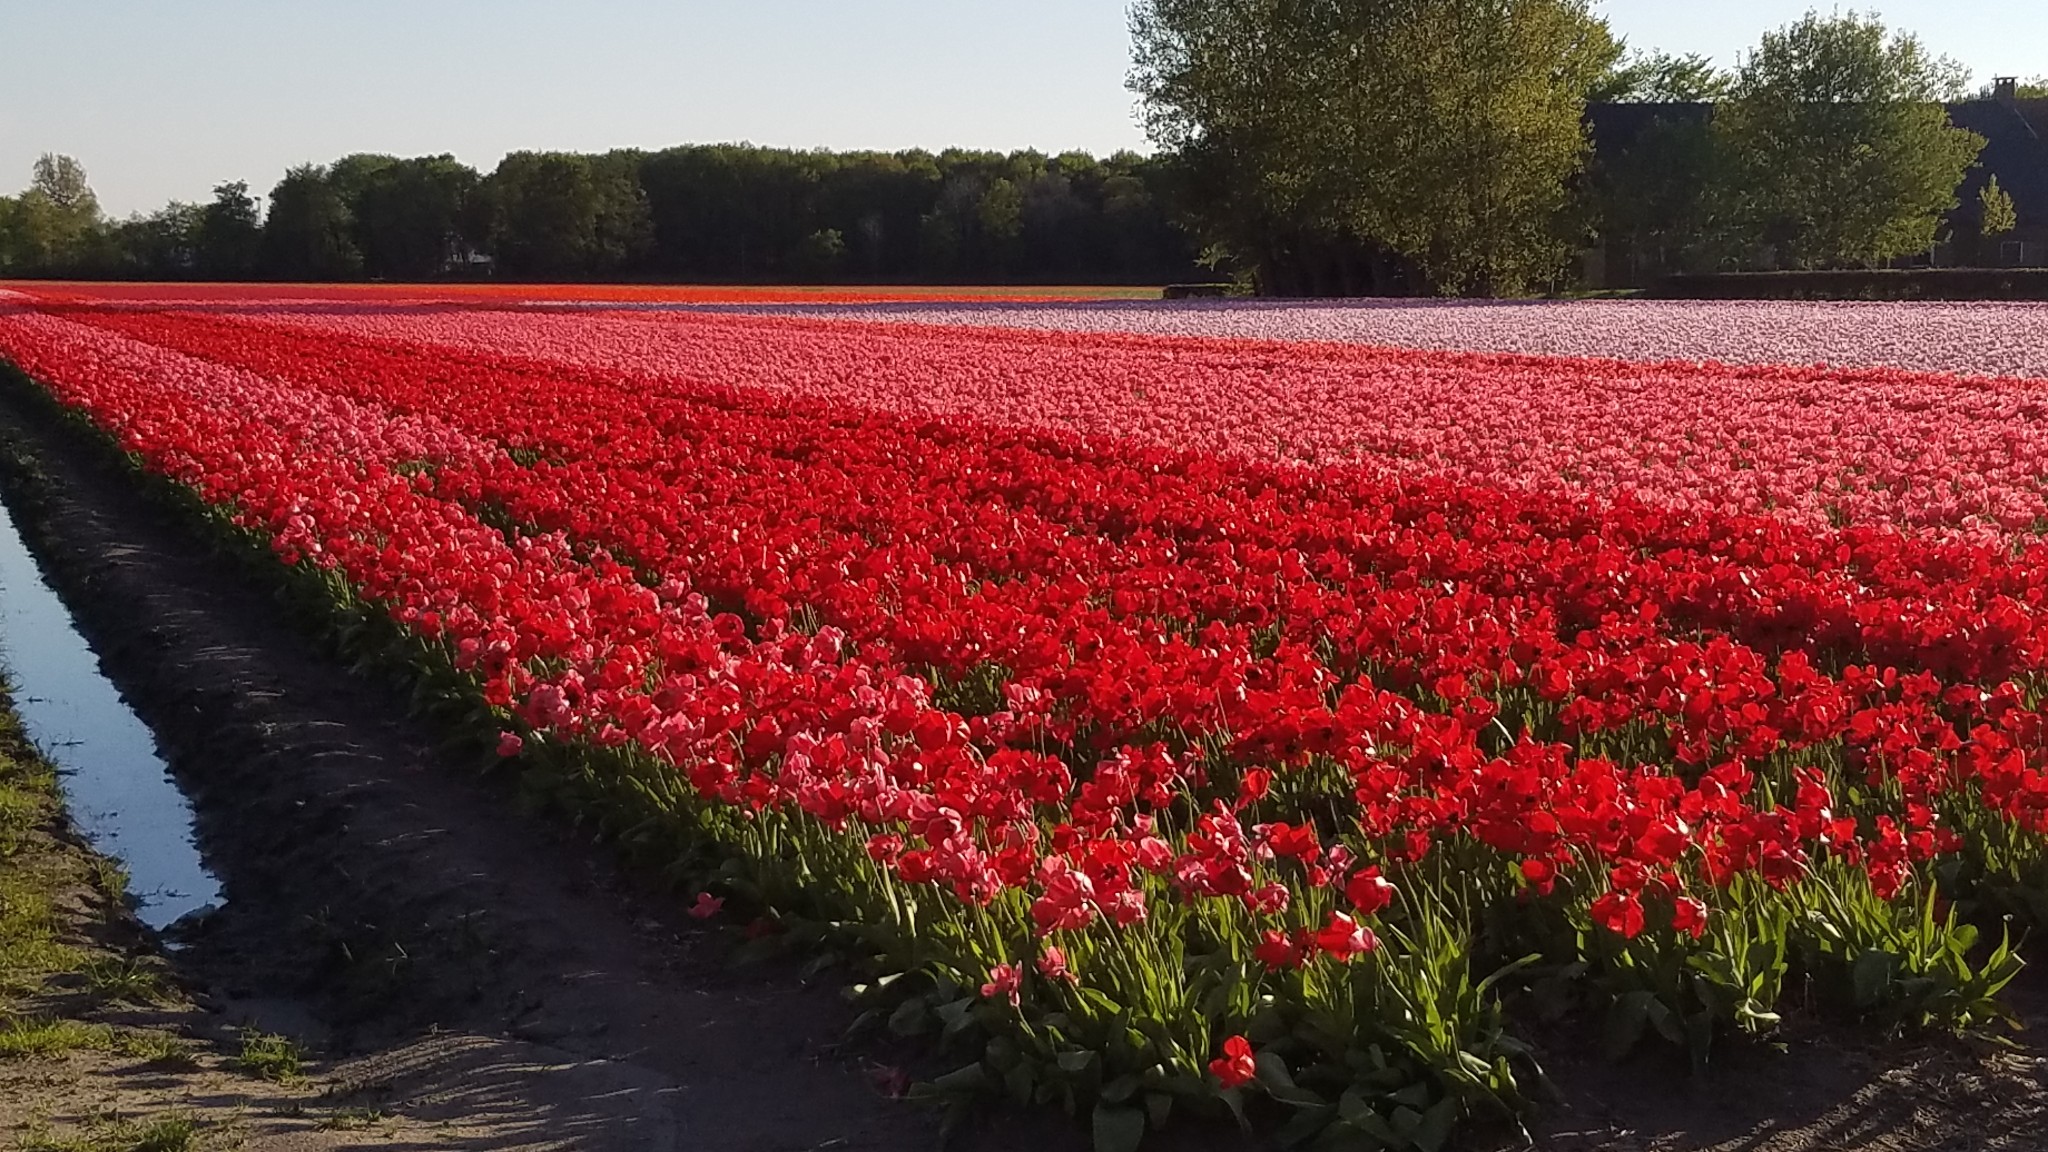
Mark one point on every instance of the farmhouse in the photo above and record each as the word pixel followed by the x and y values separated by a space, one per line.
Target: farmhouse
pixel 1654 137
pixel 2016 151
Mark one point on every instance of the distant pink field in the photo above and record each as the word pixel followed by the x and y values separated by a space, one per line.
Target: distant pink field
pixel 1924 452
pixel 1993 339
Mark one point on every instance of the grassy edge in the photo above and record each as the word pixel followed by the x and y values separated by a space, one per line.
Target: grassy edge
pixel 80 975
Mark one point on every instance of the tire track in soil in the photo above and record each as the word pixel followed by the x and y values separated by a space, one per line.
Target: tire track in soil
pixel 398 896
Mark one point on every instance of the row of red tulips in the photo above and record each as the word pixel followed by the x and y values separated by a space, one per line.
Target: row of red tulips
pixel 1130 754
pixel 1937 454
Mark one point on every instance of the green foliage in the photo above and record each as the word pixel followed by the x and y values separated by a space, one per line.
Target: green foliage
pixel 54 223
pixel 411 218
pixel 1661 78
pixel 1441 132
pixel 568 214
pixel 230 232
pixel 156 1049
pixel 723 212
pixel 736 212
pixel 175 1132
pixel 40 1038
pixel 271 1057
pixel 1660 194
pixel 11 242
pixel 1995 209
pixel 308 234
pixel 163 245
pixel 1839 150
pixel 120 979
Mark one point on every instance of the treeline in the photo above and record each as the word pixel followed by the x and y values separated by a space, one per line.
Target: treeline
pixel 1480 147
pixel 1448 146
pixel 699 213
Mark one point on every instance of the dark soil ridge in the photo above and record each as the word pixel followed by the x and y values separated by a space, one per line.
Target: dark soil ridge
pixel 396 894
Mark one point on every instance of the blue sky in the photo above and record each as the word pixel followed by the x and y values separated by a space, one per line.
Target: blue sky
pixel 162 100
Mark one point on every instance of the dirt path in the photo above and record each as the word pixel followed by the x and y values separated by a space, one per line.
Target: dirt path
pixel 401 900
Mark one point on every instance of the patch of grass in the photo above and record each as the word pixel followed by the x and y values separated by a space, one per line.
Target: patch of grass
pixel 29 949
pixel 271 1057
pixel 353 1119
pixel 20 812
pixel 128 979
pixel 112 880
pixel 156 1049
pixel 19 1038
pixel 176 1132
pixel 165 1134
pixel 30 868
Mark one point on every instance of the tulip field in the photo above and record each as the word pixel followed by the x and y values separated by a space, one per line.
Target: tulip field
pixel 1187 711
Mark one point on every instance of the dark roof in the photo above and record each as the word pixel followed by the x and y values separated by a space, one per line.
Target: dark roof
pixel 2014 149
pixel 1616 126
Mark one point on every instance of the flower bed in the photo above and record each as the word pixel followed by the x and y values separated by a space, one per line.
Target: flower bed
pixel 1153 769
pixel 1981 338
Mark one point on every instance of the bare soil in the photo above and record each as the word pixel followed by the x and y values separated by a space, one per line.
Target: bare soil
pixel 478 977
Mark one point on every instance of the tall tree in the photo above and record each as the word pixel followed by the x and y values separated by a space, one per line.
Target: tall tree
pixel 52 227
pixel 1444 131
pixel 1840 150
pixel 61 181
pixel 1230 90
pixel 1657 196
pixel 562 214
pixel 230 232
pixel 410 214
pixel 306 234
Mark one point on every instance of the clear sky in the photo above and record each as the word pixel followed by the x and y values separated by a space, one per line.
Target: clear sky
pixel 164 100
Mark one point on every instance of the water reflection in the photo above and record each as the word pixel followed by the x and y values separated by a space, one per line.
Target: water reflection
pixel 118 789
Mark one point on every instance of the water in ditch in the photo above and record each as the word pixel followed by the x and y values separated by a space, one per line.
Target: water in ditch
pixel 119 790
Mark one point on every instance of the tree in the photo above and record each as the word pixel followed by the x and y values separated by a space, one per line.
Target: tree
pixel 163 245
pixel 409 215
pixel 1000 217
pixel 1656 196
pixel 1443 132
pixel 822 252
pixel 1230 91
pixel 1996 212
pixel 1661 78
pixel 562 214
pixel 306 234
pixel 1839 149
pixel 11 259
pixel 61 181
pixel 53 226
pixel 230 232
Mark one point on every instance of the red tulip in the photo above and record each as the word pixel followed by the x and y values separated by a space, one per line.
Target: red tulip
pixel 1236 1067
